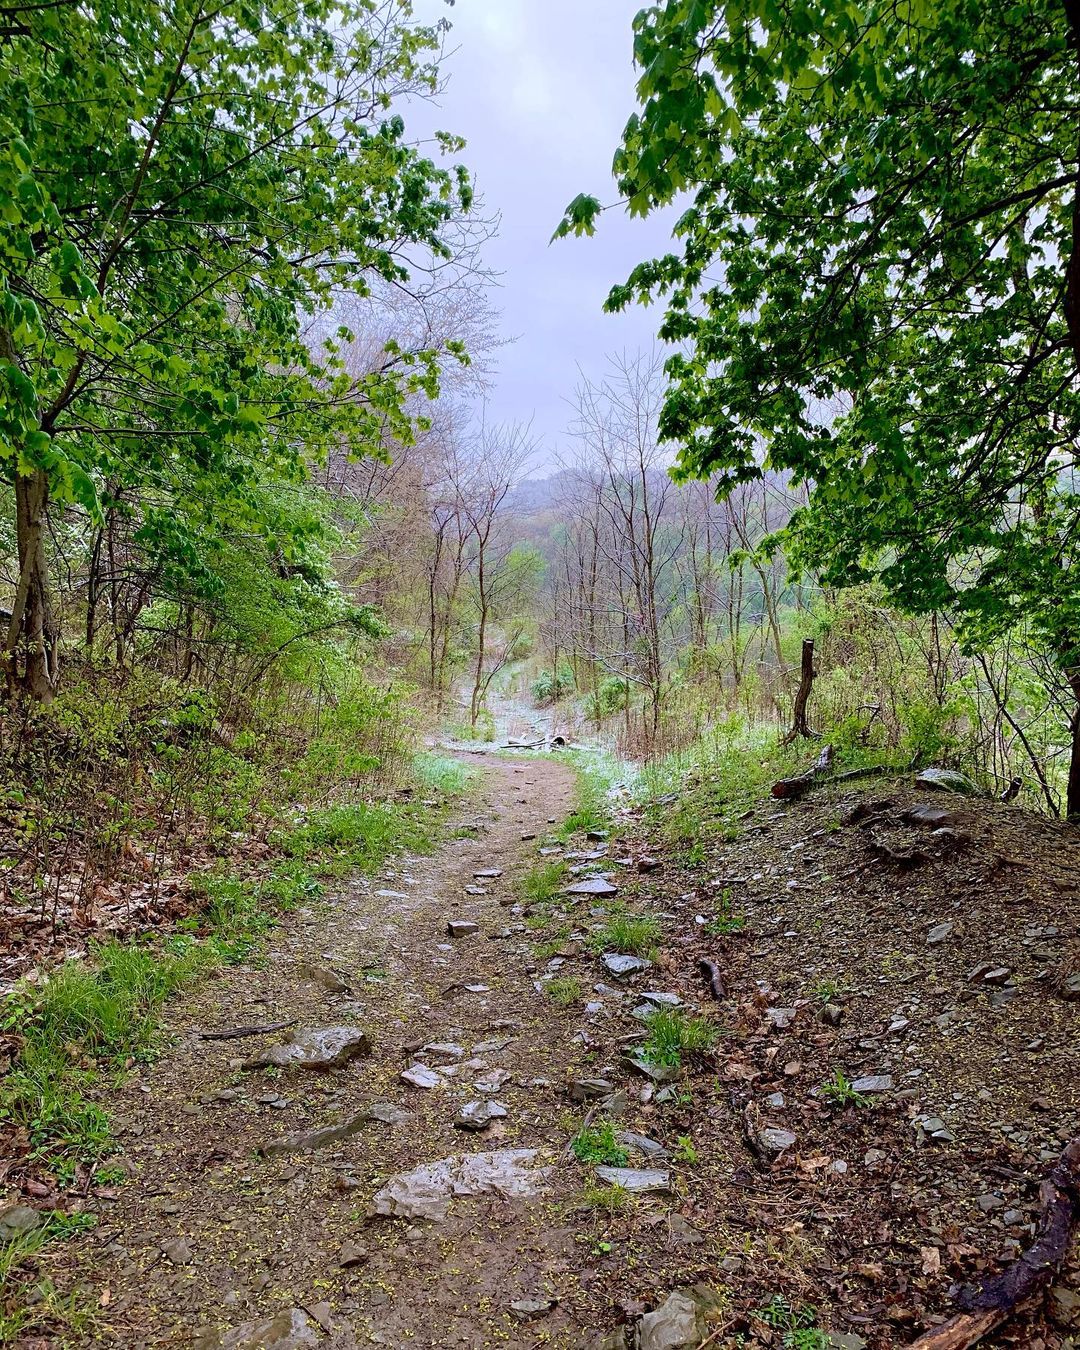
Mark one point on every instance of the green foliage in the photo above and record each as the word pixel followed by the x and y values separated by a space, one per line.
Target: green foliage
pixel 597 1144
pixel 610 696
pixel 612 1200
pixel 90 1016
pixel 596 775
pixel 673 1033
pixel 797 1325
pixel 684 1150
pixel 838 1091
pixel 247 168
pixel 543 882
pixel 725 921
pixel 550 686
pixel 564 990
pixel 637 934
pixel 889 203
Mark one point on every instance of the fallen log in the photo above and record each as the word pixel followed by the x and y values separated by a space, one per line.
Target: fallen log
pixel 990 1303
pixel 710 972
pixel 788 788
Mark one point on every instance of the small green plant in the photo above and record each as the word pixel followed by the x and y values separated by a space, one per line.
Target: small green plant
pixel 725 920
pixel 684 1150
pixel 597 1144
pixel 542 883
pixel 798 1326
pixel 564 990
pixel 636 934
pixel 674 1033
pixel 839 1092
pixel 826 990
pixel 612 1200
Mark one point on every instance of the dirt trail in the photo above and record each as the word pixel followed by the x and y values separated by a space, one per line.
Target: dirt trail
pixel 208 1234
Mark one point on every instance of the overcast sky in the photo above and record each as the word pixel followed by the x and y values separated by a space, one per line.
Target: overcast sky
pixel 541 90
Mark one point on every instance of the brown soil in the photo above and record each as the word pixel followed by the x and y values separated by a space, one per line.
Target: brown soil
pixel 864 1218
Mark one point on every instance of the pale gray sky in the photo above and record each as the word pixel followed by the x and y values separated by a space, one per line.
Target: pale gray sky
pixel 541 89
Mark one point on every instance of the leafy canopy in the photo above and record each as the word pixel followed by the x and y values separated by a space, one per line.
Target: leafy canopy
pixel 876 290
pixel 184 189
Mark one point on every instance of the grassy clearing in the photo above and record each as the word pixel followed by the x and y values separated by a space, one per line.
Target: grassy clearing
pixel 673 1033
pixel 634 934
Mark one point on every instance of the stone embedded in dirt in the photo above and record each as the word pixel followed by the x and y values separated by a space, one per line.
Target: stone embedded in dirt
pixel 526 836
pixel 933 1127
pixel 623 966
pixel 178 1251
pixel 774 1140
pixel 16 1220
pixel 832 1014
pixel 492 1081
pixel 307 1141
pixel 641 1180
pixel 426 1191
pixel 877 1082
pixel 330 980
pixel 461 928
pixel 989 1201
pixel 353 1254
pixel 323 1048
pixel 419 1075
pixel 873 1156
pixel 288 1330
pixel 488 873
pixel 391 895
pixel 525 1309
pixel 659 1073
pixel 678 1324
pixel 660 1000
pixel 646 864
pixel 929 817
pixel 946 780
pixel 590 1089
pixel 479 1115
pixel 1065 1306
pixel 780 1018
pixel 1069 988
pixel 386 1114
pixel 477 890
pixel 641 1143
pixel 592 886
pixel 996 975
pixel 443 1050
pixel 939 932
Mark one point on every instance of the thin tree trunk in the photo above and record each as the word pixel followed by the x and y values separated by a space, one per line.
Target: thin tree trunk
pixel 1072 799
pixel 30 630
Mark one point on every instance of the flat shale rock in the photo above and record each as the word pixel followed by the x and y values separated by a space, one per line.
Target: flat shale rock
pixel 642 1180
pixel 593 886
pixel 324 1048
pixel 426 1191
pixel 461 928
pixel 288 1330
pixel 308 1141
pixel 622 966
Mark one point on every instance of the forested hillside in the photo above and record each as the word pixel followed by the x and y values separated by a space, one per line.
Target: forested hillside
pixel 514 839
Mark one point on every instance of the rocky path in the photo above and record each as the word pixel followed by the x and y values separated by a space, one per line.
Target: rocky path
pixel 252 1213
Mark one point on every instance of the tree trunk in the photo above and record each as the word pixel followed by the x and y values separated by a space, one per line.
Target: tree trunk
pixel 800 726
pixel 1072 799
pixel 30 649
